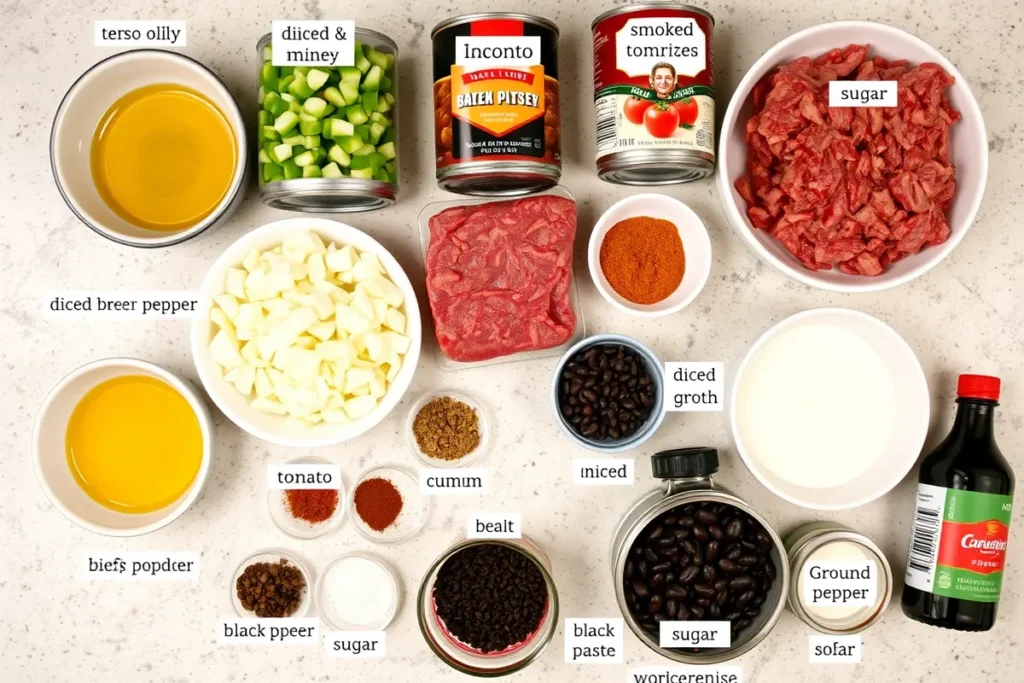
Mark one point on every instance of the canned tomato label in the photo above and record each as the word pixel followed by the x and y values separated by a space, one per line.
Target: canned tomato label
pixel 495 93
pixel 654 88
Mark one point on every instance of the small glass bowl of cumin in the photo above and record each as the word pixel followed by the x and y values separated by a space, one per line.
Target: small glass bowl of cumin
pixel 453 451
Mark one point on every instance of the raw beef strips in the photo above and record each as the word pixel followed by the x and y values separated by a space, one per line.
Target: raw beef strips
pixel 498 277
pixel 853 188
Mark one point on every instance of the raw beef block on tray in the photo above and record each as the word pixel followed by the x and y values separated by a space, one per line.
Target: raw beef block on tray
pixel 498 276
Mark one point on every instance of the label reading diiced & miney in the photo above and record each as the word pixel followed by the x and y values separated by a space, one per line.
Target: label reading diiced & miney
pixel 314 43
pixel 304 476
pixel 835 649
pixel 832 584
pixel 702 634
pixel 862 94
pixel 355 644
pixel 464 482
pixel 289 632
pixel 141 566
pixel 686 674
pixel 495 525
pixel 593 641
pixel 120 305
pixel 694 387
pixel 603 471
pixel 133 33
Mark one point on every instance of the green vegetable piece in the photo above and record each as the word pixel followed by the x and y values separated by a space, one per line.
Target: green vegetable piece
pixel 356 114
pixel 268 53
pixel 361 62
pixel 380 118
pixel 263 157
pixel 387 150
pixel 311 171
pixel 340 128
pixel 331 170
pixel 375 57
pixel 305 159
pixel 350 143
pixel 390 167
pixel 280 153
pixel 264 117
pixel 350 75
pixel 274 104
pixel 364 150
pixel 333 95
pixel 287 71
pixel 381 175
pixel 382 105
pixel 291 170
pixel 310 127
pixel 261 94
pixel 392 176
pixel 349 92
pixel 390 56
pixel 316 78
pixel 385 84
pixel 269 133
pixel 372 79
pixel 370 102
pixel 366 173
pixel 315 106
pixel 376 131
pixel 389 136
pixel 268 76
pixel 333 78
pixel 303 69
pixel 313 141
pixel 339 156
pixel 285 81
pixel 294 105
pixel 270 171
pixel 286 121
pixel 300 87
pixel 294 140
pixel 330 109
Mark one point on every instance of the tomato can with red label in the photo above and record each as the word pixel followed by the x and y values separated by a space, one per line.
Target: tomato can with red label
pixel 496 118
pixel 654 94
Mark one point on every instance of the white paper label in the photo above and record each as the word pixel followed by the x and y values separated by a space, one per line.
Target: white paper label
pixel 355 644
pixel 314 43
pixel 862 94
pixel 486 52
pixel 593 641
pixel 120 305
pixel 647 41
pixel 495 525
pixel 694 387
pixel 301 632
pixel 686 674
pixel 464 482
pixel 695 634
pixel 832 584
pixel 139 33
pixel 603 471
pixel 836 649
pixel 304 476
pixel 141 566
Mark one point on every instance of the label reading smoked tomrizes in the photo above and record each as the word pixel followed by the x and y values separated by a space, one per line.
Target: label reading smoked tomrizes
pixel 958 543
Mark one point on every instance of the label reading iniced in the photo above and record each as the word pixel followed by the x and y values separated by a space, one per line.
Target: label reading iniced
pixel 314 43
pixel 695 634
pixel 355 644
pixel 120 305
pixel 139 33
pixel 465 482
pixel 862 94
pixel 686 674
pixel 289 632
pixel 603 471
pixel 834 584
pixel 495 525
pixel 694 387
pixel 593 641
pixel 836 649
pixel 304 476
pixel 141 566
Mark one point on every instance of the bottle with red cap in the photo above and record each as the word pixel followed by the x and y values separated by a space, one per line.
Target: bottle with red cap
pixel 961 519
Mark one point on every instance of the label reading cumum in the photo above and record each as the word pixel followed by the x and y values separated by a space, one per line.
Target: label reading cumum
pixel 314 43
pixel 686 674
pixel 694 387
pixel 593 641
pixel 288 632
pixel 304 476
pixel 139 33
pixel 835 649
pixel 464 482
pixel 120 305
pixel 958 543
pixel 141 566
pixel 695 634
pixel 862 94
pixel 603 471
pixel 495 525
pixel 833 584
pixel 355 644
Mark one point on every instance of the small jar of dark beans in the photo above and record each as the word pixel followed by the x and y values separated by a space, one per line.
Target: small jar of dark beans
pixel 606 393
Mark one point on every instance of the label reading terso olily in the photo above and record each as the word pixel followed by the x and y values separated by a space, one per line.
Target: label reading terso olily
pixel 958 543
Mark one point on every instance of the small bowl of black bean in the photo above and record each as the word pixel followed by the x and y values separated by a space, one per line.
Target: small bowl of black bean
pixel 607 393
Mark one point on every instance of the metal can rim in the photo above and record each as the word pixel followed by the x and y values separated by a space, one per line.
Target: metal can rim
pixel 466 18
pixel 267 38
pixel 385 193
pixel 652 5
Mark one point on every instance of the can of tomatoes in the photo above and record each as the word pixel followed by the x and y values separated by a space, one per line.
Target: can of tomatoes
pixel 496 124
pixel 654 94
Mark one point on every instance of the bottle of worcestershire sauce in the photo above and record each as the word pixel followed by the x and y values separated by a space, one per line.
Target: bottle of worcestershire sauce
pixel 961 519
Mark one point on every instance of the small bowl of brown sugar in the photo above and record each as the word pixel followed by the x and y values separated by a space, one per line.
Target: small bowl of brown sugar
pixel 271 584
pixel 447 429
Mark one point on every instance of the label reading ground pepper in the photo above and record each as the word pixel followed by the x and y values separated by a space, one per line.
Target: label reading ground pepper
pixel 958 543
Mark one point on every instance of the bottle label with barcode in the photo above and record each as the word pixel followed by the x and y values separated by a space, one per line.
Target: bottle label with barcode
pixel 958 543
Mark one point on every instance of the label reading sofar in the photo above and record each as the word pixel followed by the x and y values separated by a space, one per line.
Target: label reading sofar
pixel 958 543
pixel 314 43
pixel 139 33
pixel 862 94
pixel 835 649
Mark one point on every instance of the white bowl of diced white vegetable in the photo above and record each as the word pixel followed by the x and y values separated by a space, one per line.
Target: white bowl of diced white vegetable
pixel 309 332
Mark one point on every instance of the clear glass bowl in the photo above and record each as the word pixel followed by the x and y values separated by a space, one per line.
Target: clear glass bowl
pixel 273 555
pixel 277 504
pixel 330 615
pixel 415 505
pixel 466 460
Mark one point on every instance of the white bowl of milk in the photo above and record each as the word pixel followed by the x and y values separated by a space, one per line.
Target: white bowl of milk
pixel 829 409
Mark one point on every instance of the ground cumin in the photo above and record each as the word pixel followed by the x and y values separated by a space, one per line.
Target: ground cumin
pixel 446 429
pixel 643 259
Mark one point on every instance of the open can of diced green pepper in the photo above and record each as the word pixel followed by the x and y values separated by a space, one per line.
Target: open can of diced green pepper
pixel 328 136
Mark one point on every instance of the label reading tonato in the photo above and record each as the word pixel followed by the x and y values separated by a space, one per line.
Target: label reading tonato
pixel 170 33
pixel 835 649
pixel 593 641
pixel 862 94
pixel 710 634
pixel 304 476
pixel 694 387
pixel 464 482
pixel 505 525
pixel 355 644
pixel 603 471
pixel 314 43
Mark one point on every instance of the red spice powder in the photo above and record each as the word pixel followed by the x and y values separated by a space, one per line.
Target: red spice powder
pixel 378 503
pixel 312 505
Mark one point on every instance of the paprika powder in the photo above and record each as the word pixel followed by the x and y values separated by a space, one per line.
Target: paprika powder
pixel 378 503
pixel 643 259
pixel 312 505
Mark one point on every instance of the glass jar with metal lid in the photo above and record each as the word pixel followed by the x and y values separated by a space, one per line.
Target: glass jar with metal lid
pixel 328 136
pixel 693 551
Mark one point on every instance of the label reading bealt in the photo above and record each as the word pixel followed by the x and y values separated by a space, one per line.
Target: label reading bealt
pixel 141 566
pixel 835 584
pixel 289 632
pixel 507 525
pixel 120 305
pixel 710 634
pixel 694 387
pixel 593 641
pixel 314 43
pixel 464 482
pixel 355 644
pixel 123 34
pixel 603 471
pixel 862 94
pixel 686 674
pixel 836 649
pixel 304 476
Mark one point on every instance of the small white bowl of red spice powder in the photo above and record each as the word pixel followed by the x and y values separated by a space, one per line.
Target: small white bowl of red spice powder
pixel 386 506
pixel 649 255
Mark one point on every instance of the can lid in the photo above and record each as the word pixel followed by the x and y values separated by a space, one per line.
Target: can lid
pixel 683 463
pixel 978 386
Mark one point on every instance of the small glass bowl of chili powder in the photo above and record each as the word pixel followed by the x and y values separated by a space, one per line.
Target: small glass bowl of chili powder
pixel 307 513
pixel 385 504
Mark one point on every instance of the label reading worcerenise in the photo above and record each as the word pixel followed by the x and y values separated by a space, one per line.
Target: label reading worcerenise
pixel 120 305
pixel 603 471
pixel 593 641
pixel 835 584
pixel 686 674
pixel 958 543
pixel 355 644
pixel 862 94
pixel 304 476
pixel 495 525
pixel 288 632
pixel 835 649
pixel 314 42
pixel 710 634
pixel 464 482
pixel 694 387
pixel 141 566
pixel 139 33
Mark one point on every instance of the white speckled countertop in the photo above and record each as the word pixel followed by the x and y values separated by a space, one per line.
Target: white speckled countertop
pixel 967 314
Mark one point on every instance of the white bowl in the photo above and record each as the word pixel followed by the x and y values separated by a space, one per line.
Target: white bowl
pixel 85 104
pixel 910 424
pixel 696 247
pixel 968 151
pixel 50 458
pixel 279 429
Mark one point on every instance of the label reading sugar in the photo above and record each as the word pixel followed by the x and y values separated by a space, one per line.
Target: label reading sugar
pixel 686 674
pixel 495 525
pixel 836 649
pixel 695 634
pixel 304 476
pixel 139 33
pixel 355 644
pixel 120 305
pixel 289 632
pixel 603 471
pixel 862 94
pixel 832 584
pixel 314 43
pixel 141 566
pixel 464 482
pixel 593 641
pixel 694 387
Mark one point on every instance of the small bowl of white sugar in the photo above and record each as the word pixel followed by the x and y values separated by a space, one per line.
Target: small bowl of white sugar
pixel 358 592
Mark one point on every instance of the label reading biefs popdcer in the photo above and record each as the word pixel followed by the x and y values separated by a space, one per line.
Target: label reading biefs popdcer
pixel 862 94
pixel 694 387
pixel 313 42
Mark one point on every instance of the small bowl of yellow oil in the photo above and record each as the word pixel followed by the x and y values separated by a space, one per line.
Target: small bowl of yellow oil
pixel 148 149
pixel 122 446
